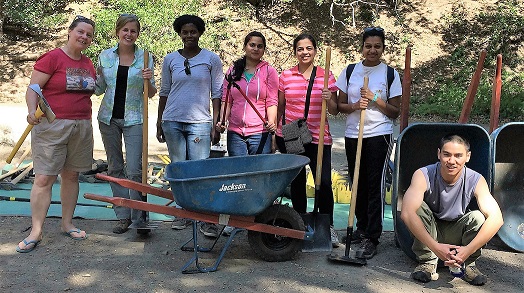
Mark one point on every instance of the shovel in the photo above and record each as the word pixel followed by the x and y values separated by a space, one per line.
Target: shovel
pixel 320 223
pixel 144 223
pixel 347 257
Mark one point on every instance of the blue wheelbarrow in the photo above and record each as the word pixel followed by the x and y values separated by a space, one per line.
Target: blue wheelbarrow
pixel 234 191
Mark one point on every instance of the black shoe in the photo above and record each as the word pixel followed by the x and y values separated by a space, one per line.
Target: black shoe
pixel 367 249
pixel 356 237
pixel 209 230
pixel 143 231
pixel 122 226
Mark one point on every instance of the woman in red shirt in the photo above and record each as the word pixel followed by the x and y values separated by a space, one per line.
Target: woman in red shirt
pixel 65 145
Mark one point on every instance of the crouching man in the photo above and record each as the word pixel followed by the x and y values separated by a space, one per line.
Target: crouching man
pixel 434 209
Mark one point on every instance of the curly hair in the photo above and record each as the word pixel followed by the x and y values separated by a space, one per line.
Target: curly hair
pixel 187 18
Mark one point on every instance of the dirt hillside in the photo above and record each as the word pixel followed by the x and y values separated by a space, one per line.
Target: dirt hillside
pixel 422 26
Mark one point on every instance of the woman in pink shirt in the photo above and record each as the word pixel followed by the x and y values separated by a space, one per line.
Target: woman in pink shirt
pixel 246 132
pixel 292 91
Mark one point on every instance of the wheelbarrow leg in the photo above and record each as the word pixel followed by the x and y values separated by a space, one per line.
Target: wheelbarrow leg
pixel 185 246
pixel 194 259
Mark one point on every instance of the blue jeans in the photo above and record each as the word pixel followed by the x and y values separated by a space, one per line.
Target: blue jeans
pixel 239 145
pixel 187 141
pixel 132 169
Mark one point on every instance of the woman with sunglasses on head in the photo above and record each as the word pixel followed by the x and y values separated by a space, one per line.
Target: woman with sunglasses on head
pixel 381 99
pixel 190 77
pixel 63 146
pixel 292 92
pixel 246 132
pixel 120 77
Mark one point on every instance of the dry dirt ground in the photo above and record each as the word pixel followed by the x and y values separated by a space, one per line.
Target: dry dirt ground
pixel 107 262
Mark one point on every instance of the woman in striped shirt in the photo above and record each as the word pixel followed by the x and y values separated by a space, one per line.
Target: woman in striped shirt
pixel 292 91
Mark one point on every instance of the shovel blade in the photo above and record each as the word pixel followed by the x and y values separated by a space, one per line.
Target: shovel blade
pixel 347 259
pixel 321 240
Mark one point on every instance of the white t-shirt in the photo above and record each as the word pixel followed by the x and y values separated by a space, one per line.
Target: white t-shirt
pixel 376 123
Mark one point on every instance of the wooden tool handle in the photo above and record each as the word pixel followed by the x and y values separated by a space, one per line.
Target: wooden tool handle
pixel 406 91
pixel 472 89
pixel 13 171
pixel 354 185
pixel 21 159
pixel 320 152
pixel 23 174
pixel 38 114
pixel 145 124
pixel 495 97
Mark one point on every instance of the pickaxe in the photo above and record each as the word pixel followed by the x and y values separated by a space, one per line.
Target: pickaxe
pixel 42 109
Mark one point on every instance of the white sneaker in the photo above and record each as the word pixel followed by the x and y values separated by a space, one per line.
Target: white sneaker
pixel 334 237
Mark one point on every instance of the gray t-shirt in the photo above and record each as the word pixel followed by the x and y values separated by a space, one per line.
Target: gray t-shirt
pixel 188 95
pixel 449 201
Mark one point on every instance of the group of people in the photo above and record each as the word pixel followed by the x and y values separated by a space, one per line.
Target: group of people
pixel 191 77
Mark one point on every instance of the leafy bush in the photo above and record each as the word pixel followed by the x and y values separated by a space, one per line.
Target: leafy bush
pixel 448 100
pixel 156 20
pixel 27 14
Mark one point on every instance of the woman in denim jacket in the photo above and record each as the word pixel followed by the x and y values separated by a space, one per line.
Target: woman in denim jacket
pixel 120 77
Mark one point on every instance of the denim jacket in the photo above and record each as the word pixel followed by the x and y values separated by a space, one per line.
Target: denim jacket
pixel 108 62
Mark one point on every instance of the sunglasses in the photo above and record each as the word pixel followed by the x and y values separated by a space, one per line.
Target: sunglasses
pixel 373 28
pixel 130 15
pixel 80 18
pixel 186 67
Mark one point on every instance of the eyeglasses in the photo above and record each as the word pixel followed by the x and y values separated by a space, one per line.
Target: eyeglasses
pixel 186 67
pixel 80 18
pixel 373 28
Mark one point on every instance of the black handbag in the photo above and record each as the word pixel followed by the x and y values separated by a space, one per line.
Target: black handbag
pixel 296 134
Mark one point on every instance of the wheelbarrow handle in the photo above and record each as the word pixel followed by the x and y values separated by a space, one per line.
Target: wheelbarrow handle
pixel 144 188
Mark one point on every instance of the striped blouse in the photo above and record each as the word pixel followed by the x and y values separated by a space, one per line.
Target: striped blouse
pixel 294 86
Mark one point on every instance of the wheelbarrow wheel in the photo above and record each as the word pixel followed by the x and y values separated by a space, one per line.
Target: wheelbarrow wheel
pixel 271 247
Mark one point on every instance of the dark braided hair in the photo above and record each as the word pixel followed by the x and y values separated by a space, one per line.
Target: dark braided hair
pixel 240 65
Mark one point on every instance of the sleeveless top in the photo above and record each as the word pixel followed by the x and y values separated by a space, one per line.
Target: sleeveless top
pixel 449 201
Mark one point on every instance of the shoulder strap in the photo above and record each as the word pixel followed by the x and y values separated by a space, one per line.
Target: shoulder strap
pixel 309 88
pixel 349 71
pixel 391 77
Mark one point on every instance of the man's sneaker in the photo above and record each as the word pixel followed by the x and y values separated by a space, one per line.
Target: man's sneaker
pixel 425 272
pixel 367 249
pixel 227 230
pixel 473 276
pixel 122 226
pixel 334 237
pixel 210 230
pixel 180 223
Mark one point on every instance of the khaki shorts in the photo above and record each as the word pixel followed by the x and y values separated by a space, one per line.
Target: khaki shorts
pixel 62 144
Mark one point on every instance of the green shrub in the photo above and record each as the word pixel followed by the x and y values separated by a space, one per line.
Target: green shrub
pixel 28 14
pixel 156 19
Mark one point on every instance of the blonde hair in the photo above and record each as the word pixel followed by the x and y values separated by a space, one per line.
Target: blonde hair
pixel 124 19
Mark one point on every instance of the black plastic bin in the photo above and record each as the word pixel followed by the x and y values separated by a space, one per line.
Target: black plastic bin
pixel 508 181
